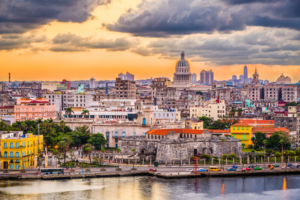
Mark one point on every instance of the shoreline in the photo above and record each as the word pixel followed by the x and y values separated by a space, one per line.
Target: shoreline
pixel 148 173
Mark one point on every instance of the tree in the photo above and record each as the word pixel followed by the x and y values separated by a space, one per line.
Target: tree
pixel 63 146
pixel 290 104
pixel 231 156
pixel 62 125
pixel 281 142
pixel 199 93
pixel 277 154
pixel 82 129
pixel 133 151
pixel 273 141
pixel 206 121
pixel 232 112
pixel 224 156
pixel 259 138
pixel 3 125
pixel 206 157
pixel 87 149
pixel 24 127
pixel 85 112
pixel 240 112
pixel 69 111
pixel 71 153
pixel 97 140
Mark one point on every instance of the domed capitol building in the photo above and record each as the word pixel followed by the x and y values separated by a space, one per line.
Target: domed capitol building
pixel 182 76
pixel 284 80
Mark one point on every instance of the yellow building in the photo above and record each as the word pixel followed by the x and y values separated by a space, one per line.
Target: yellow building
pixel 242 132
pixel 18 151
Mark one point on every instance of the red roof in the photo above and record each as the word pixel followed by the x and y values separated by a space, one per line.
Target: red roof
pixel 269 130
pixel 252 121
pixel 241 124
pixel 7 107
pixel 108 122
pixel 35 101
pixel 178 131
pixel 218 131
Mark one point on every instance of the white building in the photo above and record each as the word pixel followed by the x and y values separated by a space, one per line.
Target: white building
pixel 194 78
pixel 92 83
pixel 210 109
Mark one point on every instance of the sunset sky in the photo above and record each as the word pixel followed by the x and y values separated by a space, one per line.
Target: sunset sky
pixel 79 39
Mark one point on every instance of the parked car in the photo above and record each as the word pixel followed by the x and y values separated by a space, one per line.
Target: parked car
pixel 276 165
pixel 231 169
pixel 250 166
pixel 289 164
pixel 257 168
pixel 152 170
pixel 296 165
pixel 234 166
pixel 189 170
pixel 246 169
pixel 270 165
pixel 202 170
pixel 285 167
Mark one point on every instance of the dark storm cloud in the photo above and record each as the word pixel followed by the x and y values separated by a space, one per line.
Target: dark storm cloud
pixel 74 43
pixel 257 46
pixel 14 42
pixel 176 17
pixel 19 16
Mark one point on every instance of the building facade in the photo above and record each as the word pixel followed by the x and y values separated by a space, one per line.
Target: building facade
pixel 18 152
pixel 206 77
pixel 125 89
pixel 182 75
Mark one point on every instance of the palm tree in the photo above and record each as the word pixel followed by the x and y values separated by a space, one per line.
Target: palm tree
pixel 265 142
pixel 281 141
pixel 62 125
pixel 50 121
pixel 24 127
pixel 39 121
pixel 64 145
pixel 69 111
pixel 240 112
pixel 232 112
pixel 85 113
pixel 3 125
pixel 17 124
pixel 87 149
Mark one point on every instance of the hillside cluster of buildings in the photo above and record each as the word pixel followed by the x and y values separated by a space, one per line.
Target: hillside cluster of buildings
pixel 155 112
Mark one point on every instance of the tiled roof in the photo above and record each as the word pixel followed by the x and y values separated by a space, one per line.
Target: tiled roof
pixel 241 124
pixel 251 121
pixel 7 107
pixel 268 130
pixel 178 131
pixel 218 131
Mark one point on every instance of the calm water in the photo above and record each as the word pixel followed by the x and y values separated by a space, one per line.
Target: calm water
pixel 135 188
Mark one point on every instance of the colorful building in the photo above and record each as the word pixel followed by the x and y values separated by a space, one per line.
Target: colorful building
pixel 28 109
pixel 242 132
pixel 20 151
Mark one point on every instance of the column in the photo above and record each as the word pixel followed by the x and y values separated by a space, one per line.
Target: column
pixel 281 159
pixel 226 161
pixel 254 159
pixel 261 159
pixel 268 160
pixel 143 160
pixel 220 161
pixel 288 159
pixel 150 160
pixel 295 159
pixel 35 161
pixel 204 161
pixel 233 161
pixel 212 161
pixel 46 161
pixel 275 159
pixel 248 159
pixel 241 159
pixel 189 161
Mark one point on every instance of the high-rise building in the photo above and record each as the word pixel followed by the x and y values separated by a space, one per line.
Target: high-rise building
pixel 242 78
pixel 194 78
pixel 206 77
pixel 126 76
pixel 245 74
pixel 234 77
pixel 92 83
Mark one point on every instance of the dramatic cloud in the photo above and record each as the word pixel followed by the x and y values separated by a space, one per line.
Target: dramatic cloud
pixel 14 42
pixel 19 16
pixel 161 18
pixel 254 47
pixel 72 43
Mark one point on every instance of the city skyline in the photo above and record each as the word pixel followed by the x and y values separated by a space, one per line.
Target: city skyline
pixel 104 38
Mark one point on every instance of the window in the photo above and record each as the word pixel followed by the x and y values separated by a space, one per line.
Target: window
pixel 247 128
pixel 5 145
pixel 233 136
pixel 17 154
pixel 11 166
pixel 107 134
pixel 134 134
pixel 17 166
pixel 11 145
pixel 238 128
pixel 116 134
pixel 144 134
pixel 11 154
pixel 242 128
pixel 233 128
pixel 123 134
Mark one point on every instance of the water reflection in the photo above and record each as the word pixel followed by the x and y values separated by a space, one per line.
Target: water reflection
pixel 144 188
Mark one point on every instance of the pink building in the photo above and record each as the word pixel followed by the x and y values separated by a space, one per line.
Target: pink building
pixel 28 109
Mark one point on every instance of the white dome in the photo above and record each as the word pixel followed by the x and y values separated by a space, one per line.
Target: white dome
pixel 182 62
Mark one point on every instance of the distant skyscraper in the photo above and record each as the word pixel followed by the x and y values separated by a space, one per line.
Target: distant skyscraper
pixel 242 78
pixel 92 83
pixel 126 76
pixel 206 77
pixel 194 78
pixel 234 77
pixel 245 74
